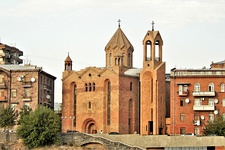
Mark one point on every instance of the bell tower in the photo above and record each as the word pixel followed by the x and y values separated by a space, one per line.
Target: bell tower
pixel 68 64
pixel 119 51
pixel 152 85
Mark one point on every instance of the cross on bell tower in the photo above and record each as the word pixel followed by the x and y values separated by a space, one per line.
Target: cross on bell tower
pixel 119 23
pixel 153 25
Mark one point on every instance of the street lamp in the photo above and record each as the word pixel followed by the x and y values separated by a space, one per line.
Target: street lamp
pixel 72 117
pixel 63 117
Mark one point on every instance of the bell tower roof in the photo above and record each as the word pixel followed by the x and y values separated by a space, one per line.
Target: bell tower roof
pixel 68 58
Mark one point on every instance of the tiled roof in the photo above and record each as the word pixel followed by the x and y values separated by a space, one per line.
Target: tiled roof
pixel 120 40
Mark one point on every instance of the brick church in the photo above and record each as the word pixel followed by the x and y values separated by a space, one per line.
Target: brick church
pixel 117 97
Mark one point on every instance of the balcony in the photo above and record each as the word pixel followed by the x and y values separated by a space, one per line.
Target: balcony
pixel 48 88
pixel 3 98
pixel 2 85
pixel 26 84
pixel 196 122
pixel 182 93
pixel 2 54
pixel 197 93
pixel 203 107
pixel 26 98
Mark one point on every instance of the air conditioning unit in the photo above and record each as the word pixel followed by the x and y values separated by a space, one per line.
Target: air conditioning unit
pixel 196 122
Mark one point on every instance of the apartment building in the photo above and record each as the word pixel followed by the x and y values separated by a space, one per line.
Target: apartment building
pixel 25 85
pixel 196 97
pixel 10 55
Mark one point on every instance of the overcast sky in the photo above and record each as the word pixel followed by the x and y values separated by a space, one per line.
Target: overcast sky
pixel 193 31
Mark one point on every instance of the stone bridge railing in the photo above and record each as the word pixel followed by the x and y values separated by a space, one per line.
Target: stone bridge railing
pixel 82 139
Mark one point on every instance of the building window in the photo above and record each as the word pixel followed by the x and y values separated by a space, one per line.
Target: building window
pixel 223 102
pixel 211 117
pixel 185 88
pixel 123 57
pixel 196 117
pixel 197 131
pixel 75 104
pixel 130 86
pixel 211 87
pixel 180 89
pixel 222 87
pixel 89 86
pixel 110 59
pixel 108 102
pixel 13 93
pixel 181 102
pixel 89 105
pixel 197 87
pixel 27 93
pixel 211 102
pixel 129 59
pixel 182 130
pixel 182 117
pixel 93 86
pixel 86 87
pixel 198 102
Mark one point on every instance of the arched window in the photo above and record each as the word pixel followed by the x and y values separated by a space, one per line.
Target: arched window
pixel 197 87
pixel 89 86
pixel 211 87
pixel 148 50
pixel 129 60
pixel 75 104
pixel 108 101
pixel 89 105
pixel 110 59
pixel 123 57
pixel 116 61
pixel 86 87
pixel 130 86
pixel 157 51
pixel 130 115
pixel 93 86
pixel 222 87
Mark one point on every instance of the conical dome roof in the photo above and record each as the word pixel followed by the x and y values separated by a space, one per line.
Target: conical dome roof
pixel 68 59
pixel 120 40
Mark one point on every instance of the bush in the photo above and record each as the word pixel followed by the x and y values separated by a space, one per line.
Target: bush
pixel 39 128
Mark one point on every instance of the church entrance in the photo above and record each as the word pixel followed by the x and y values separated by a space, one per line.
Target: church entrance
pixel 90 127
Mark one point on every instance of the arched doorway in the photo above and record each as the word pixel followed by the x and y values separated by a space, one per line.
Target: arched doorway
pixel 90 127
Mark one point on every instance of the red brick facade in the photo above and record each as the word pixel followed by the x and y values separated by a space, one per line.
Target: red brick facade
pixel 116 98
pixel 196 97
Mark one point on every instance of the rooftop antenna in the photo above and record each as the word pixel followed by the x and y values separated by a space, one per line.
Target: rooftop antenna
pixel 153 25
pixel 119 23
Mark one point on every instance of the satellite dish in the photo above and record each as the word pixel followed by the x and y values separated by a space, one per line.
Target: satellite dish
pixel 202 117
pixel 216 112
pixel 187 100
pixel 216 101
pixel 48 96
pixel 19 79
pixel 32 79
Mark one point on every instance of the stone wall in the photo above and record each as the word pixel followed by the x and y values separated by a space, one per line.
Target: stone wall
pixel 8 137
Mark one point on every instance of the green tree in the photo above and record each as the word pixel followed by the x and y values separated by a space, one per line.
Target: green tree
pixel 25 110
pixel 216 127
pixel 8 117
pixel 39 128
